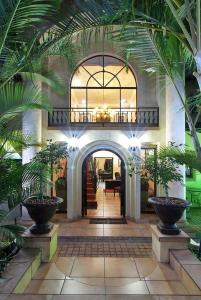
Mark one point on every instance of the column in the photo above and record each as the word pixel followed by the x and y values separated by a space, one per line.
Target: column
pixel 71 189
pixel 32 124
pixel 175 128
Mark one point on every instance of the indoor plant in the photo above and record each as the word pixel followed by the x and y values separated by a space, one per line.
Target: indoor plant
pixel 38 173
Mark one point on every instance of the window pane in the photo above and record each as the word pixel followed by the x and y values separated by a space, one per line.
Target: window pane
pixel 94 64
pixel 126 78
pixel 103 97
pixel 112 64
pixel 128 98
pixel 78 98
pixel 80 78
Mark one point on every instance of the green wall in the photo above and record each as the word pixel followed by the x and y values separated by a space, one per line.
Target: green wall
pixel 193 183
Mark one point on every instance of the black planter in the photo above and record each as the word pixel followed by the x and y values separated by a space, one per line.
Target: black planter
pixel 169 210
pixel 41 213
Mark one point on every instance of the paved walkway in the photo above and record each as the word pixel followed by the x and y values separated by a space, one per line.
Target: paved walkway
pixel 83 227
pixel 105 246
pixel 105 262
pixel 106 276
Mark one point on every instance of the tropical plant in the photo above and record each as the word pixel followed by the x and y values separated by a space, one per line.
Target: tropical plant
pixel 171 36
pixel 38 172
pixel 182 155
pixel 161 168
pixel 18 19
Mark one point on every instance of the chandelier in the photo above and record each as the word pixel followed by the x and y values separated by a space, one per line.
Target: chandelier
pixel 102 114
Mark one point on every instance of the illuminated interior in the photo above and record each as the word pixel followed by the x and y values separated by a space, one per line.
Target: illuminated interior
pixel 103 85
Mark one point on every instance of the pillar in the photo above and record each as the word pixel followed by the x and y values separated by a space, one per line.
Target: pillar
pixel 175 129
pixel 32 124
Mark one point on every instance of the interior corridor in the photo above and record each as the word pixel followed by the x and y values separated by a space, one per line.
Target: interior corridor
pixel 108 203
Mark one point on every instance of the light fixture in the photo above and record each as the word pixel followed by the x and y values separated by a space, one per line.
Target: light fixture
pixel 134 143
pixel 73 142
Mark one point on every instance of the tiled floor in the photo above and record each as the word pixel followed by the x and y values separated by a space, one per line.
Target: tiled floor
pixel 106 276
pixel 83 227
pixel 108 204
pixel 118 267
pixel 105 246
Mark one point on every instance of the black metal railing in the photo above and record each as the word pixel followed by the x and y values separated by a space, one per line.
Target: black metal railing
pixel 141 116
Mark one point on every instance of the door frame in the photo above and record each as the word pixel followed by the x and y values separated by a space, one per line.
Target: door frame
pixel 123 183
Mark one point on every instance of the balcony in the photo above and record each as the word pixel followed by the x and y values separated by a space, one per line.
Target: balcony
pixel 135 117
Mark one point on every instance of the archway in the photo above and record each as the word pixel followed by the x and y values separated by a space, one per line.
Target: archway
pixel 74 179
pixel 103 185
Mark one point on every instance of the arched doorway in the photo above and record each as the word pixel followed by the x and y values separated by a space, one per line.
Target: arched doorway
pixel 74 178
pixel 103 185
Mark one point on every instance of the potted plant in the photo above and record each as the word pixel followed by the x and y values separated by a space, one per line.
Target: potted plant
pixel 40 206
pixel 163 170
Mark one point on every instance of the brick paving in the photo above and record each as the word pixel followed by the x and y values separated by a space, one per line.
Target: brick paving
pixel 104 246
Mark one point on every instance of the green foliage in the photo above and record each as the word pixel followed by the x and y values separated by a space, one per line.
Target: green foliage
pixel 39 171
pixel 182 156
pixel 163 170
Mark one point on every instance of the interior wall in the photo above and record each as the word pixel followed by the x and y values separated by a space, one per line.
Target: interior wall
pixel 108 154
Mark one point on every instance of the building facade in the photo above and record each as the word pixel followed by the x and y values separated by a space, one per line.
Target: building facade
pixel 111 105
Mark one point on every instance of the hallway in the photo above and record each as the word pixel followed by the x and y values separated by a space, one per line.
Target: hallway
pixel 108 204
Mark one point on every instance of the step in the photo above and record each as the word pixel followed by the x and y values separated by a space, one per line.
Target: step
pixel 20 271
pixel 91 196
pixel 188 268
pixel 92 204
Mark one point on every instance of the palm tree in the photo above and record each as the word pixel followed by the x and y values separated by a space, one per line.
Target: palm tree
pixel 171 34
pixel 18 19
pixel 21 58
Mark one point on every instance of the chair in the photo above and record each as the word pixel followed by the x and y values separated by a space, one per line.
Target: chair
pixel 117 189
pixel 117 176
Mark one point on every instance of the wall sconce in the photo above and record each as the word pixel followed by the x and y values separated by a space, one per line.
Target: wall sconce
pixel 134 143
pixel 73 142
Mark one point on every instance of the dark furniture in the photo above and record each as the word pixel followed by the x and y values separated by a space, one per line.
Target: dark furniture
pixel 111 184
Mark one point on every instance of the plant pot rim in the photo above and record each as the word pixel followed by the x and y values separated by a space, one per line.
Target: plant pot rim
pixel 57 200
pixel 167 201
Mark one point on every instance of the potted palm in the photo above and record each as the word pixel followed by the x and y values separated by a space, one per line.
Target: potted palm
pixel 164 170
pixel 37 176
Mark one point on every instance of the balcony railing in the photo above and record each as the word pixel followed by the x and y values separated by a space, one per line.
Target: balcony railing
pixel 141 116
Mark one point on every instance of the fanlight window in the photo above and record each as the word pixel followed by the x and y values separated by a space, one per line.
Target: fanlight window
pixel 103 81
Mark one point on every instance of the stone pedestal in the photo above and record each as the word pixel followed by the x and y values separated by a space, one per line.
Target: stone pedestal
pixel 46 242
pixel 162 244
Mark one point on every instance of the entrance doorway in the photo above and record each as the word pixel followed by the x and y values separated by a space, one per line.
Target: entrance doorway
pixel 103 185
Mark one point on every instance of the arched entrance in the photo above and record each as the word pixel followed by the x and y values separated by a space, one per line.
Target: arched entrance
pixel 74 179
pixel 103 185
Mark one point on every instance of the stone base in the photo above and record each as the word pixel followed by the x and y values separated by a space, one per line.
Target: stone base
pixel 162 244
pixel 46 242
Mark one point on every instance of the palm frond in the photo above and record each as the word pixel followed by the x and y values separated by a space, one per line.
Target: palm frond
pixel 182 156
pixel 20 16
pixel 17 98
pixel 12 232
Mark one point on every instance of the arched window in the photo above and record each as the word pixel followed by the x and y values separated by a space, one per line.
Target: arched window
pixel 103 81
